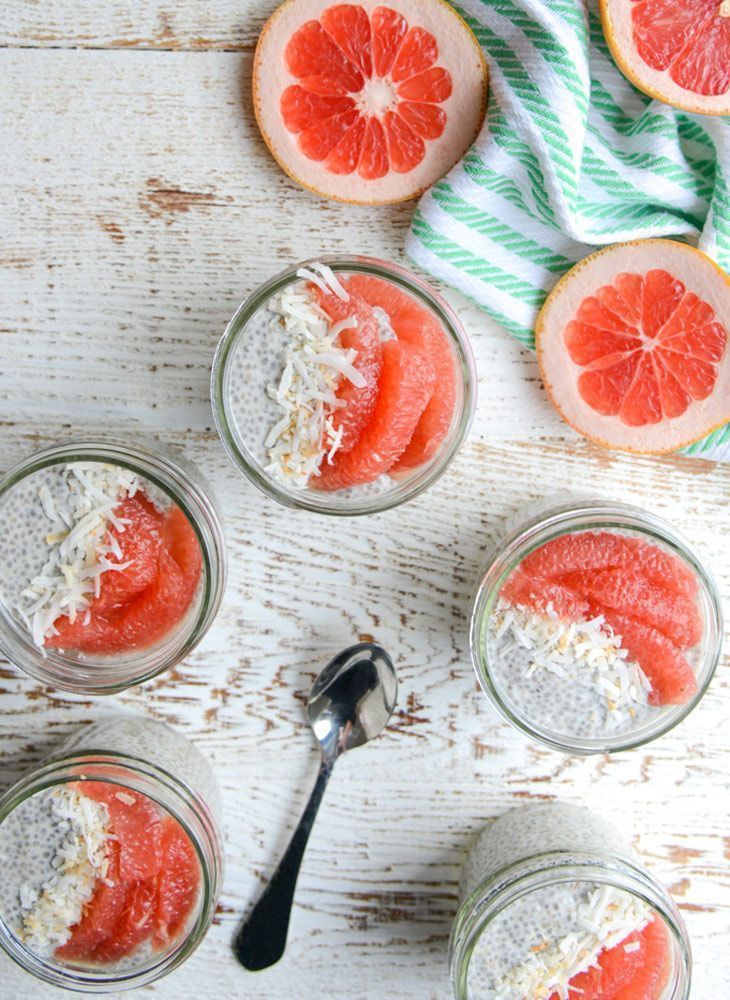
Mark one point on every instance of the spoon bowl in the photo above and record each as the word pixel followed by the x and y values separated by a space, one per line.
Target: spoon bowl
pixel 353 698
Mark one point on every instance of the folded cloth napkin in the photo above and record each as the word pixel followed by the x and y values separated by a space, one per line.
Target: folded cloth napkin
pixel 571 156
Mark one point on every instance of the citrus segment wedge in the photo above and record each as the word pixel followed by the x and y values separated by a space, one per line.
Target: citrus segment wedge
pixel 415 325
pixel 405 387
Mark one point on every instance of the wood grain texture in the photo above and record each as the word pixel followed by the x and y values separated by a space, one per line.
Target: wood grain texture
pixel 138 207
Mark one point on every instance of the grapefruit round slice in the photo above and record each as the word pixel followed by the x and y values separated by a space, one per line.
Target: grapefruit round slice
pixel 140 546
pixel 368 102
pixel 364 338
pixel 414 324
pixel 405 387
pixel 633 346
pixel 675 50
pixel 637 974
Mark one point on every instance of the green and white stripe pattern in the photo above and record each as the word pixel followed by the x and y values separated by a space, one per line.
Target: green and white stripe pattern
pixel 571 157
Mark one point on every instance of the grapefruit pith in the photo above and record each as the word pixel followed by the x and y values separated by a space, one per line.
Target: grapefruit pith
pixel 633 346
pixel 368 102
pixel 677 51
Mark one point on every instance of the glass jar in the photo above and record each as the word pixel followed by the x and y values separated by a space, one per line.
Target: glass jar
pixel 242 371
pixel 135 755
pixel 526 877
pixel 555 714
pixel 174 483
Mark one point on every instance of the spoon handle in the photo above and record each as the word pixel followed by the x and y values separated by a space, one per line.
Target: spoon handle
pixel 262 939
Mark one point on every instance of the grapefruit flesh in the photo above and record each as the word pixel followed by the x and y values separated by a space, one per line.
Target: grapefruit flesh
pixel 634 975
pixel 177 884
pixel 646 595
pixel 675 50
pixel 635 355
pixel 139 605
pixel 414 324
pixel 359 400
pixel 406 385
pixel 539 594
pixel 630 593
pixel 151 886
pixel 672 679
pixel 368 102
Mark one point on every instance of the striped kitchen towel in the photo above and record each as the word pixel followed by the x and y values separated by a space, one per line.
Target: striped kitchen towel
pixel 571 157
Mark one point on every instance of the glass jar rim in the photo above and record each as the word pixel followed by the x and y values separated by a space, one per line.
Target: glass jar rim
pixel 307 500
pixel 172 794
pixel 560 519
pixel 547 869
pixel 170 475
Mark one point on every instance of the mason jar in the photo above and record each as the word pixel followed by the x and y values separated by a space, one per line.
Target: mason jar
pixel 546 891
pixel 591 695
pixel 32 529
pixel 247 370
pixel 136 758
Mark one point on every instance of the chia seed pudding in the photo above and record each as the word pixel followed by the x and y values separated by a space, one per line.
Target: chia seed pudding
pixel 103 577
pixel 556 906
pixel 113 865
pixel 594 638
pixel 342 390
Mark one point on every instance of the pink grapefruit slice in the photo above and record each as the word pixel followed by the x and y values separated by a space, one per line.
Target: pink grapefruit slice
pixel 405 387
pixel 364 338
pixel 635 974
pixel 368 102
pixel 672 679
pixel 629 592
pixel 414 324
pixel 539 594
pixel 633 346
pixel 675 50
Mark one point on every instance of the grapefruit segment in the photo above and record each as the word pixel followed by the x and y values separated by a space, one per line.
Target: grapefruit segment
pixel 177 886
pixel 675 50
pixel 672 678
pixel 139 605
pixel 632 594
pixel 136 824
pixel 405 387
pixel 417 326
pixel 349 27
pixel 100 914
pixel 642 363
pixel 541 595
pixel 367 103
pixel 389 30
pixel 636 974
pixel 359 401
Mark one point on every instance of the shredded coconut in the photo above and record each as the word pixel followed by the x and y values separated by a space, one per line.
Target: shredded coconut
pixel 79 862
pixel 563 648
pixel 80 546
pixel 314 365
pixel 604 920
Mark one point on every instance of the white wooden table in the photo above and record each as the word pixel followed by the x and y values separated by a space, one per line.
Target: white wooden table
pixel 139 206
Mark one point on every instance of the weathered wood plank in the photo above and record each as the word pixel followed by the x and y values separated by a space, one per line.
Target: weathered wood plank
pixel 183 25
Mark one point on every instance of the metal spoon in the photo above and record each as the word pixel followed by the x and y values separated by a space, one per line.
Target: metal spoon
pixel 350 703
